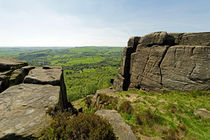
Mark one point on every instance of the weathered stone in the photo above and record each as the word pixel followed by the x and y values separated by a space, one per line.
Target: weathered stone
pixel 4 82
pixel 162 61
pixel 156 38
pixel 186 68
pixel 121 129
pixel 17 76
pixel 104 97
pixel 10 64
pixel 202 112
pixel 145 68
pixel 44 75
pixel 23 108
pixel 123 80
pixel 198 39
pixel 118 83
pixel 133 42
pixel 52 75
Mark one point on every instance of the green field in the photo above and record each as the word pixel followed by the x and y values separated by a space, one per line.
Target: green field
pixel 168 116
pixel 86 69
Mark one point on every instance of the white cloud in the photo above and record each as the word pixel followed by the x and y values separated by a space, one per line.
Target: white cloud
pixel 44 28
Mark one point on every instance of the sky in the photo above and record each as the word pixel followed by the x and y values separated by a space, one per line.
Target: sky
pixel 96 22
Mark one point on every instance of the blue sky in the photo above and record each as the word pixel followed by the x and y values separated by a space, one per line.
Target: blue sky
pixel 96 22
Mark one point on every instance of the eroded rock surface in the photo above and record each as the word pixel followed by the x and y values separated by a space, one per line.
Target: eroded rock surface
pixel 9 64
pixel 23 108
pixel 202 112
pixel 27 94
pixel 162 61
pixel 44 75
pixel 121 129
pixel 7 67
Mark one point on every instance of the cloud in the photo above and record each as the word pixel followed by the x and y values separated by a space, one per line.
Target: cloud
pixel 84 23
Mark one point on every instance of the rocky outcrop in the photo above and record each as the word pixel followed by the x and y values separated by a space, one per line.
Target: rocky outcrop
pixel 166 61
pixel 10 64
pixel 28 93
pixel 10 68
pixel 49 75
pixel 23 108
pixel 121 129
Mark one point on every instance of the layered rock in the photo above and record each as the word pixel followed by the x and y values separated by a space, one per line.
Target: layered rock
pixel 30 92
pixel 7 67
pixel 49 75
pixel 162 61
pixel 10 64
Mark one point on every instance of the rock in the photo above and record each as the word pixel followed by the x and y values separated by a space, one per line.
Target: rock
pixel 202 112
pixel 103 98
pixel 119 83
pixel 156 38
pixel 4 82
pixel 12 72
pixel 133 42
pixel 18 75
pixel 10 64
pixel 44 75
pixel 186 68
pixel 198 39
pixel 123 80
pixel 142 137
pixel 162 61
pixel 121 129
pixel 23 108
pixel 49 75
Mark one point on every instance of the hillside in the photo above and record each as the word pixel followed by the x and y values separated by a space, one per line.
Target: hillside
pixel 171 116
pixel 155 114
pixel 86 69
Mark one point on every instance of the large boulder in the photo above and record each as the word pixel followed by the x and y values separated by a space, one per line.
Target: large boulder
pixel 44 75
pixel 121 129
pixel 52 75
pixel 162 61
pixel 23 108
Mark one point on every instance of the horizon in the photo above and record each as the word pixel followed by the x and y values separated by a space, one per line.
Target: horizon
pixel 57 46
pixel 80 23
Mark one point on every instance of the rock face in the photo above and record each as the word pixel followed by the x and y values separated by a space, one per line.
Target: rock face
pixel 121 129
pixel 23 108
pixel 9 64
pixel 166 61
pixel 28 93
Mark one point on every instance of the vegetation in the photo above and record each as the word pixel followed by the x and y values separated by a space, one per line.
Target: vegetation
pixel 82 83
pixel 81 127
pixel 75 59
pixel 86 69
pixel 165 115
